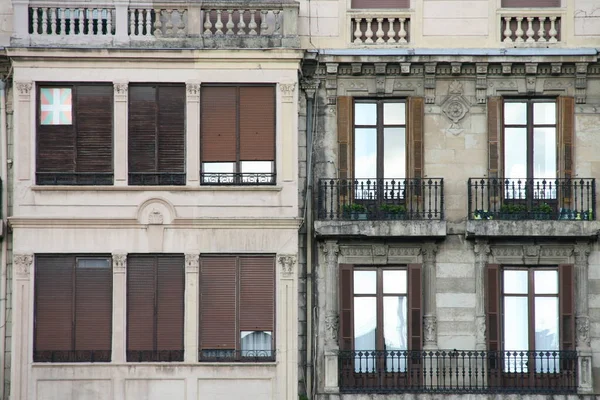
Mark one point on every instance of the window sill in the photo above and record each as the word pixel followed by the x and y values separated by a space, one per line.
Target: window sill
pixel 204 188
pixel 155 364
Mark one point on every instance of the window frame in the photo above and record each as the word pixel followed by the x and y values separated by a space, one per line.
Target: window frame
pixel 519 4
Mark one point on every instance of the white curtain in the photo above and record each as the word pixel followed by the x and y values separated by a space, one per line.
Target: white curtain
pixel 256 344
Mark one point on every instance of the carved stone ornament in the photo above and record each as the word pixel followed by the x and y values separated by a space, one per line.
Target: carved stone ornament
pixel 287 261
pixel 455 107
pixel 193 89
pixel 24 88
pixel 192 262
pixel 331 251
pixel 430 329
pixel 155 217
pixel 121 88
pixel 22 264
pixel 332 322
pixel 583 331
pixel 429 251
pixel 480 328
pixel 119 262
pixel 287 91
pixel 310 86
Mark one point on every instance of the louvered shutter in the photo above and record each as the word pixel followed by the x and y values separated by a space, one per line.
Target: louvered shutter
pixel 141 290
pixel 142 126
pixel 218 124
pixel 530 3
pixel 393 4
pixel 492 303
pixel 345 108
pixel 171 128
pixel 495 117
pixel 567 306
pixel 218 302
pixel 94 118
pixel 415 119
pixel 415 305
pixel 170 303
pixel 257 123
pixel 93 308
pixel 257 294
pixel 53 303
pixel 346 291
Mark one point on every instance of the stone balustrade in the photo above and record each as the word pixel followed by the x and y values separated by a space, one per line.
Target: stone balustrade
pixel 380 30
pixel 265 23
pixel 531 30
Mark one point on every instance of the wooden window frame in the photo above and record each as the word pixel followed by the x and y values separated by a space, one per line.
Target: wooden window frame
pixel 237 351
pixel 96 355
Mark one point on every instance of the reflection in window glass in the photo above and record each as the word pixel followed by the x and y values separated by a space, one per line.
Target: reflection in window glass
pixel 515 282
pixel 365 324
pixel 515 113
pixel 515 155
pixel 365 153
pixel 394 153
pixel 546 332
pixel 218 168
pixel 544 113
pixel 546 282
pixel 365 282
pixel 394 281
pixel 258 167
pixel 394 113
pixel 93 263
pixel 516 333
pixel 544 153
pixel 365 113
pixel 395 332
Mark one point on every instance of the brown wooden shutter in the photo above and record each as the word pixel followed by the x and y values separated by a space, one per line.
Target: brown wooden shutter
pixel 141 291
pixel 492 303
pixel 495 121
pixel 567 306
pixel 94 118
pixel 143 110
pixel 381 4
pixel 257 123
pixel 257 294
pixel 170 302
pixel 93 308
pixel 218 124
pixel 565 132
pixel 530 3
pixel 345 108
pixel 415 307
pixel 415 120
pixel 346 306
pixel 171 128
pixel 53 303
pixel 218 302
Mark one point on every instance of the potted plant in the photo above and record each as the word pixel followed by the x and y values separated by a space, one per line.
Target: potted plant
pixel 354 211
pixel 482 214
pixel 513 211
pixel 393 211
pixel 542 211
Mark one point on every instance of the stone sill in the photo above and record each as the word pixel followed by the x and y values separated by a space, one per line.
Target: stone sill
pixel 150 188
pixel 532 228
pixel 414 228
pixel 175 364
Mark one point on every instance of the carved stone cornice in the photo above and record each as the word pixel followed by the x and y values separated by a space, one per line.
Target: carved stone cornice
pixel 310 86
pixel 288 263
pixel 192 262
pixel 119 263
pixel 22 263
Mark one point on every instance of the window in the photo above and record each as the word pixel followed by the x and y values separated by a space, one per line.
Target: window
pixel 381 4
pixel 237 135
pixel 73 308
pixel 157 134
pixel 237 308
pixel 530 3
pixel 155 307
pixel 74 134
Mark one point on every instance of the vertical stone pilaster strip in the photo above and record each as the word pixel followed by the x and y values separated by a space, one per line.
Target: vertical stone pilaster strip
pixel 289 131
pixel 121 93
pixel 22 135
pixel 192 133
pixel 327 294
pixel 190 333
pixel 22 318
pixel 581 252
pixel 287 327
pixel 331 251
pixel 482 251
pixel 119 332
pixel 428 252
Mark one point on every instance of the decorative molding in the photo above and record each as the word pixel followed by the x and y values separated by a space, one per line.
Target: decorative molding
pixel 119 263
pixel 24 88
pixel 287 92
pixel 583 331
pixel 429 83
pixel 556 252
pixel 288 262
pixel 556 68
pixel 481 82
pixel 557 84
pixel 530 84
pixel 332 321
pixel 405 68
pixel 531 251
pixel 404 251
pixel 455 107
pixel 506 68
pixel 331 250
pixel 155 217
pixel 581 253
pixel 581 83
pixel 192 262
pixel 430 330
pixel 429 251
pixel 121 88
pixel 482 250
pixel 193 91
pixel 22 263
pixel 480 331
pixel 380 249
pixel 310 86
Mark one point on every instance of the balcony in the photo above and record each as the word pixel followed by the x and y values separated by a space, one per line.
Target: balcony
pixel 217 24
pixel 458 372
pixel 373 28
pixel 381 207
pixel 532 207
pixel 531 29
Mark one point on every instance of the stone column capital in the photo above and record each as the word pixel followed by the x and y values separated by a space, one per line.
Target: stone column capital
pixel 287 91
pixel 288 263
pixel 482 250
pixel 581 251
pixel 22 263
pixel 121 90
pixel 119 261
pixel 331 250
pixel 193 91
pixel 24 89
pixel 310 86
pixel 429 251
pixel 192 262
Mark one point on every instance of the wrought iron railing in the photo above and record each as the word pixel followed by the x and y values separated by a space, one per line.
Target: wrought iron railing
pixel 66 356
pixel 458 371
pixel 541 199
pixel 221 355
pixel 154 355
pixel 74 178
pixel 237 179
pixel 381 199
pixel 157 178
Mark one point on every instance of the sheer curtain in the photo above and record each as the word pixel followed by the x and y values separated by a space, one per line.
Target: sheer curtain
pixel 256 344
pixel 395 332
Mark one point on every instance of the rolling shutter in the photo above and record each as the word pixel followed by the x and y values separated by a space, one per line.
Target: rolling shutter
pixel 171 128
pixel 142 143
pixel 218 124
pixel 567 306
pixel 346 307
pixel 495 118
pixel 415 305
pixel 257 294
pixel 257 123
pixel 415 120
pixel 141 291
pixel 170 288
pixel 530 3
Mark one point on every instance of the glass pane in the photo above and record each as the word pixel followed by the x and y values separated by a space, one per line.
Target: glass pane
pixel 365 114
pixel 516 334
pixel 365 282
pixel 545 282
pixel 365 324
pixel 394 153
pixel 394 281
pixel 395 332
pixel 256 344
pixel 260 167
pixel 515 153
pixel 394 113
pixel 93 263
pixel 544 113
pixel 515 282
pixel 515 113
pixel 544 153
pixel 365 153
pixel 218 168
pixel 546 334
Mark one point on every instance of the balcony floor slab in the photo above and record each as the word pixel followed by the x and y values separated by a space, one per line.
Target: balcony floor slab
pixel 412 228
pixel 532 228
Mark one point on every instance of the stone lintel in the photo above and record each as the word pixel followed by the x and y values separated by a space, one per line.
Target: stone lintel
pixel 381 228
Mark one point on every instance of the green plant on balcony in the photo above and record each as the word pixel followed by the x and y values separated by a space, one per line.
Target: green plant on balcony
pixel 513 211
pixel 542 211
pixel 482 214
pixel 354 211
pixel 393 211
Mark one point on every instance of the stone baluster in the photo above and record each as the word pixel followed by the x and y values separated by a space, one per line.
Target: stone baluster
pixel 402 32
pixel 507 30
pixel 53 21
pixel 72 14
pixel 379 32
pixel 229 24
pixel 242 24
pixel 553 31
pixel 90 21
pixel 357 31
pixel 277 29
pixel 252 25
pixel 81 15
pixel 34 20
pixel 219 24
pixel 264 26
pixel 181 27
pixel 391 33
pixel 140 21
pixel 44 21
pixel 63 21
pixel 369 31
pixel 542 32
pixel 158 23
pixel 519 31
pixel 148 22
pixel 132 14
pixel 109 17
pixel 207 23
pixel 530 32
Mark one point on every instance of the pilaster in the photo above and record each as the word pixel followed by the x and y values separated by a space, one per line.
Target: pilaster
pixel 22 323
pixel 428 252
pixel 289 118
pixel 581 252
pixel 22 134
pixel 192 133
pixel 120 132
pixel 190 337
pixel 287 326
pixel 482 251
pixel 119 267
pixel 327 290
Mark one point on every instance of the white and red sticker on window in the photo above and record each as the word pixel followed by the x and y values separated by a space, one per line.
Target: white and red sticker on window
pixel 56 106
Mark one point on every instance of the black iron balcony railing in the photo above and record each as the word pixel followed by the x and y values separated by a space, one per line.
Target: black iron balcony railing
pixel 541 199
pixel 221 355
pixel 381 199
pixel 237 179
pixel 74 178
pixel 154 355
pixel 68 356
pixel 458 371
pixel 157 178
